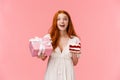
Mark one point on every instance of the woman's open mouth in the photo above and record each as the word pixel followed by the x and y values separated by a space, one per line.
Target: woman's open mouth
pixel 62 25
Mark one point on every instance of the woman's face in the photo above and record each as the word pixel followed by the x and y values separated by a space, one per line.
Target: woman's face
pixel 62 22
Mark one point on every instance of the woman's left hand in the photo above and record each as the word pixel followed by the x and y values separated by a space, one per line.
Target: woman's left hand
pixel 75 52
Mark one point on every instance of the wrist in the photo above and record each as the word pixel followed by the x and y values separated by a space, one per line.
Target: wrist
pixel 74 55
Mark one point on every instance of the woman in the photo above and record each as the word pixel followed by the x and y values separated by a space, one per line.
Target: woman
pixel 62 60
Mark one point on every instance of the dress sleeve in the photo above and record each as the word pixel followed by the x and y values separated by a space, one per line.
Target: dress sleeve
pixel 47 36
pixel 78 41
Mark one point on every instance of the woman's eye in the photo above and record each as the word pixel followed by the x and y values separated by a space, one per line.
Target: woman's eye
pixel 65 19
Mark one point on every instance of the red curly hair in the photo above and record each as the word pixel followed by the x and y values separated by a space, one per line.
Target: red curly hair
pixel 54 31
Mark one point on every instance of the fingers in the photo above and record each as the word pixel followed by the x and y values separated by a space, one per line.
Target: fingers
pixel 76 52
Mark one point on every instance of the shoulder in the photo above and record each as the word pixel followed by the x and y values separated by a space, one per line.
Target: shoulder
pixel 76 39
pixel 47 36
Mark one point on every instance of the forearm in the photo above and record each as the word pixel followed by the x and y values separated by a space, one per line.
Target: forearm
pixel 74 59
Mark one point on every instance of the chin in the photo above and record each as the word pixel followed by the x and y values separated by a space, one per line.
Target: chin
pixel 62 29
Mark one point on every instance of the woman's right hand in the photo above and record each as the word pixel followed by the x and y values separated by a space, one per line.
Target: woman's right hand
pixel 42 56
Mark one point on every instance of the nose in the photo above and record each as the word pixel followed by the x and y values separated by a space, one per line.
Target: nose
pixel 62 21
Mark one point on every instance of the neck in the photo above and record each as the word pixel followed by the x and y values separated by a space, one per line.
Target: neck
pixel 63 34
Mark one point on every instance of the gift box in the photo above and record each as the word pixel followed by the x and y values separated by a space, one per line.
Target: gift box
pixel 34 45
pixel 46 46
pixel 40 46
pixel 75 47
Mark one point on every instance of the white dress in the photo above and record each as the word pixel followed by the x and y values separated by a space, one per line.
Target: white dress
pixel 60 65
